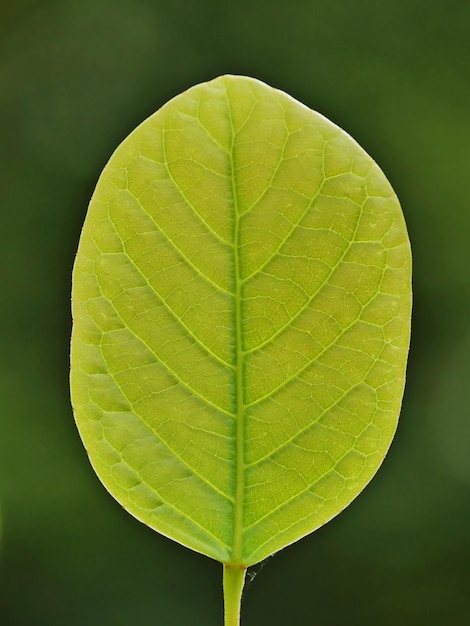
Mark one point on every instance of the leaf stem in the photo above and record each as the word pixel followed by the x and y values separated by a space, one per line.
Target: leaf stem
pixel 234 579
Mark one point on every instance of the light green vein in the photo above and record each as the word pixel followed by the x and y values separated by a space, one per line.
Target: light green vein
pixel 273 176
pixel 169 310
pixel 163 363
pixel 170 505
pixel 324 412
pixel 318 356
pixel 237 546
pixel 183 255
pixel 206 130
pixel 282 241
pixel 308 486
pixel 248 117
pixel 314 294
pixel 157 436
pixel 293 228
pixel 183 195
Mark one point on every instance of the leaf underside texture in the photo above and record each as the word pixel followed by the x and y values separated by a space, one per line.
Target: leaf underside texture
pixel 241 304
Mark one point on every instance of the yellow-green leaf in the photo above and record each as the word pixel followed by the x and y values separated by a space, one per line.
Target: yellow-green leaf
pixel 241 304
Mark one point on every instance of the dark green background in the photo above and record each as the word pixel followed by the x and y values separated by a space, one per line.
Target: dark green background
pixel 76 78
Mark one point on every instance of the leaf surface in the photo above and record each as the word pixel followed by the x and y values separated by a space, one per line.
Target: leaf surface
pixel 241 304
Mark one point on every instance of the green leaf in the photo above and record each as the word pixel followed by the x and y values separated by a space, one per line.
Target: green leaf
pixel 241 304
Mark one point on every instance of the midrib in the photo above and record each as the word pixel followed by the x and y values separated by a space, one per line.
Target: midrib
pixel 237 546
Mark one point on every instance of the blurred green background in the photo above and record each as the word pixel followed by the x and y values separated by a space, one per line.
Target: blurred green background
pixel 76 77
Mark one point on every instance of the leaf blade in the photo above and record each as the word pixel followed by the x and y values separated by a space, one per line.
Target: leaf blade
pixel 262 377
